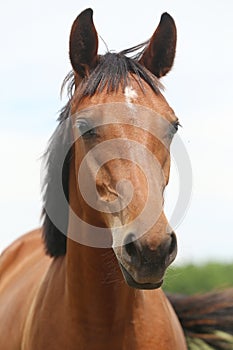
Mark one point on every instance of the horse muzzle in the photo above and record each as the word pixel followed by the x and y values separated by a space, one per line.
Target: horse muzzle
pixel 143 267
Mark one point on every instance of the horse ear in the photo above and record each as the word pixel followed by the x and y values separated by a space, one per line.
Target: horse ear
pixel 159 55
pixel 83 43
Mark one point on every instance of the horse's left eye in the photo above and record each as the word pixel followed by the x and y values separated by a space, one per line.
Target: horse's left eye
pixel 175 127
pixel 85 129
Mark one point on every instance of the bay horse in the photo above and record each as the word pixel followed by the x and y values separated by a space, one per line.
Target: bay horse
pixel 91 277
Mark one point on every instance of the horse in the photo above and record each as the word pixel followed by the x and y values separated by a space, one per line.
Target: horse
pixel 91 276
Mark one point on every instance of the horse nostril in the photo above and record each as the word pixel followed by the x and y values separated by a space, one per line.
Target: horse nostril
pixel 131 247
pixel 172 250
pixel 173 245
pixel 129 244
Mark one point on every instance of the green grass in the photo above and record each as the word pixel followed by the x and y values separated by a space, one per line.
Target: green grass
pixel 191 279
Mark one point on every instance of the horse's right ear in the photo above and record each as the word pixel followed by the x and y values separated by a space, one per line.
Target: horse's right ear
pixel 159 55
pixel 83 43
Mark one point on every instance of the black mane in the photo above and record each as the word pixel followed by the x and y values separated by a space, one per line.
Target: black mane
pixel 113 71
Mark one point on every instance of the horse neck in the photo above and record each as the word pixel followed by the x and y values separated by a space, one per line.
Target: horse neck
pixel 96 289
pixel 97 292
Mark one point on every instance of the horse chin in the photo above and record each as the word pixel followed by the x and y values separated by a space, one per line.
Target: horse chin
pixel 132 283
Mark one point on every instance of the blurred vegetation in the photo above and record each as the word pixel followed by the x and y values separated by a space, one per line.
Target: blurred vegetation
pixel 191 279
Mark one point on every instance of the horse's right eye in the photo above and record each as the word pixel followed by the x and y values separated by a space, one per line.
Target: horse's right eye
pixel 85 129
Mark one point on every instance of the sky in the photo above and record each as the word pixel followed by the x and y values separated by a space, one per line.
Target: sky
pixel 34 61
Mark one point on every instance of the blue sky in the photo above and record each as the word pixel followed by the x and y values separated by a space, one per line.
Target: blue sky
pixel 34 60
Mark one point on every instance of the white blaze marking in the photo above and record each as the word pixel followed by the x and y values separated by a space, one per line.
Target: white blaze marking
pixel 130 95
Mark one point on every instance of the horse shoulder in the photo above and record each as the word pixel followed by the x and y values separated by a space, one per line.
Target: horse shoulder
pixel 47 326
pixel 22 266
pixel 158 325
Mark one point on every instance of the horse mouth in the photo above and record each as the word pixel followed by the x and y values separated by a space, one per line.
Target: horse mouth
pixel 132 283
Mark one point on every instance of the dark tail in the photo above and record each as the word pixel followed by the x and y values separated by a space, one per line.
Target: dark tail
pixel 207 319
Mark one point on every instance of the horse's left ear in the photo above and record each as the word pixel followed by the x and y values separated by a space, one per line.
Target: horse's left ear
pixel 159 55
pixel 83 43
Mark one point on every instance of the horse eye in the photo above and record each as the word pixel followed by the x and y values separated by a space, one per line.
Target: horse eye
pixel 175 127
pixel 85 129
